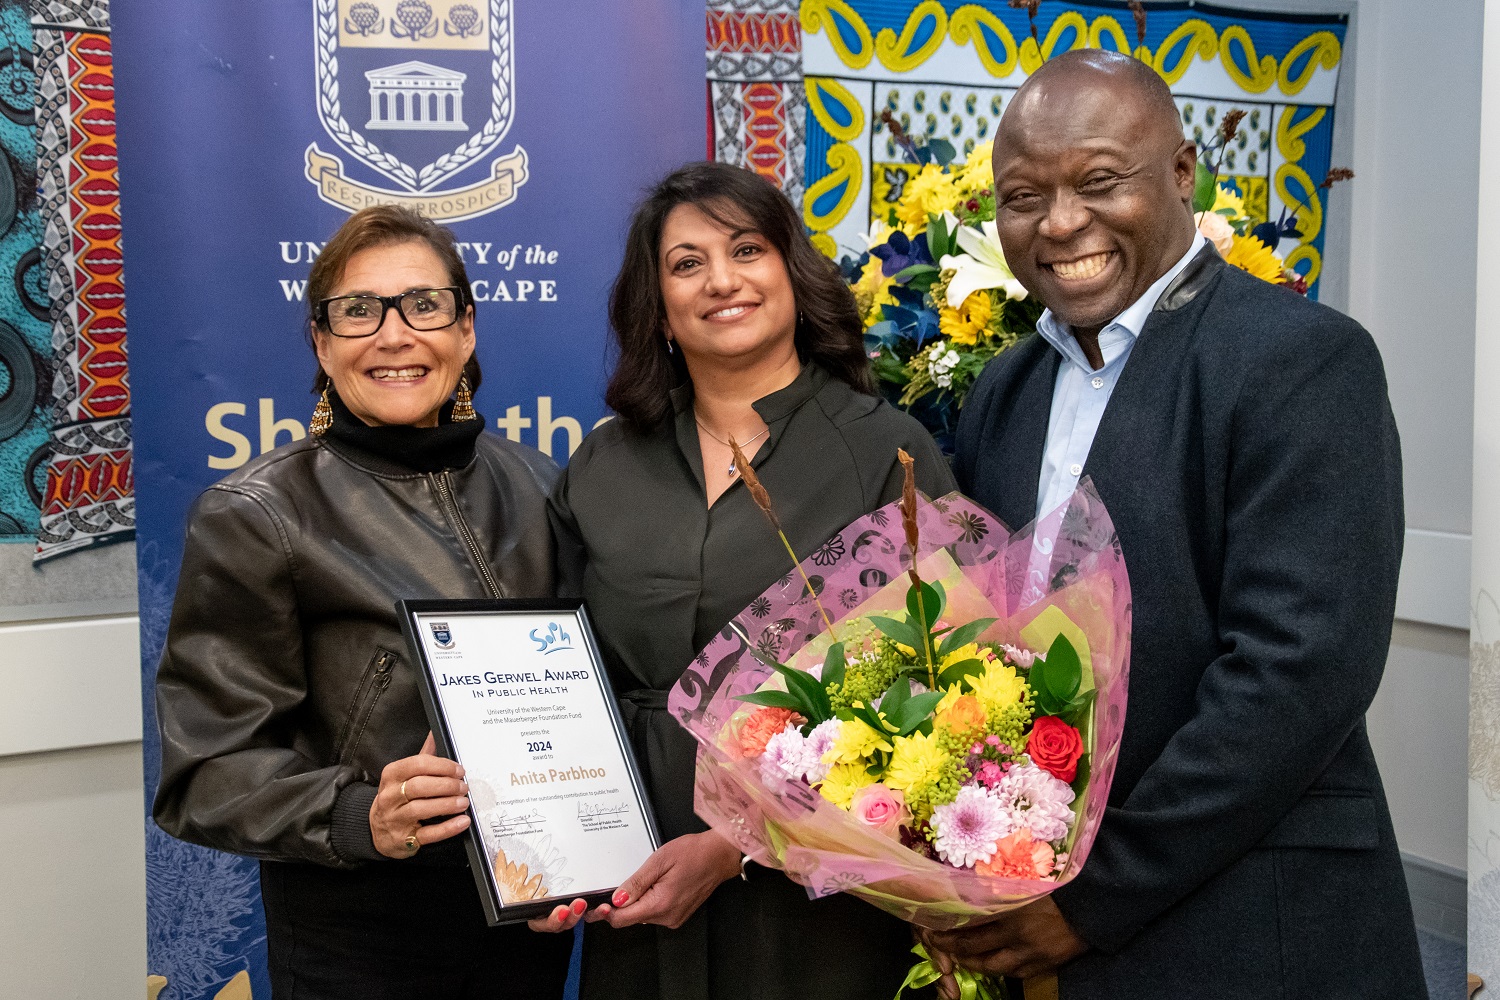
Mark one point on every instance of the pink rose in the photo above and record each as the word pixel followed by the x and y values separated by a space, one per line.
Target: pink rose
pixel 881 808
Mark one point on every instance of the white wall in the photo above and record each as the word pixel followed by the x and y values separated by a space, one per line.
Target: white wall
pixel 72 871
pixel 1414 231
pixel 1484 734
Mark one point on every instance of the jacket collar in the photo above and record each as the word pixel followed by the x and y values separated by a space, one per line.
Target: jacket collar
pixel 1192 280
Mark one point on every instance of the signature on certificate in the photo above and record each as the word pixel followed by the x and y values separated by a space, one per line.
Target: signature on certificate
pixel 505 824
pixel 588 810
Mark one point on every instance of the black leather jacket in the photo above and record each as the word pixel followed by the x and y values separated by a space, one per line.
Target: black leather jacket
pixel 285 685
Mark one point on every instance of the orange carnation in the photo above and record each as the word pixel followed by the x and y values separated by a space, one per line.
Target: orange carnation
pixel 1019 856
pixel 964 715
pixel 762 725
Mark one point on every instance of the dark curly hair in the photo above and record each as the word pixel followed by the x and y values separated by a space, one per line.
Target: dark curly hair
pixel 828 328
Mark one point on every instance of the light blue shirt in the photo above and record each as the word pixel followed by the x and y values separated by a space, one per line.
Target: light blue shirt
pixel 1080 394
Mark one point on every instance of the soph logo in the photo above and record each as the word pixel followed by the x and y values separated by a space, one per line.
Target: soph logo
pixel 442 635
pixel 554 639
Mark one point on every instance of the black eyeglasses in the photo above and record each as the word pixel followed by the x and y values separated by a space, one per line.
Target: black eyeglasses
pixel 362 315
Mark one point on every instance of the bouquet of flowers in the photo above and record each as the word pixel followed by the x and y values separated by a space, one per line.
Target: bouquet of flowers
pixel 926 713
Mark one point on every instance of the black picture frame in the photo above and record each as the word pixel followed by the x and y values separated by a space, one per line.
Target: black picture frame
pixel 496 911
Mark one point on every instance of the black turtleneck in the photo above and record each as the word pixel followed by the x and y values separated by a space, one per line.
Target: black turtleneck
pixel 449 445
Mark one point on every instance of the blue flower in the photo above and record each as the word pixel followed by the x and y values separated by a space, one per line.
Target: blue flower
pixel 898 253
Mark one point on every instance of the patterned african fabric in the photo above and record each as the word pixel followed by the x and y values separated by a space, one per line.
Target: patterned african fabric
pixel 89 496
pixel 25 331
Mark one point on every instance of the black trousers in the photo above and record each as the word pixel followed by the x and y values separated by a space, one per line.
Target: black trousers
pixel 399 931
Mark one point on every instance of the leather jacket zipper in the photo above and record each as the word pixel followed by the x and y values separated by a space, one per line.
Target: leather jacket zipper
pixel 444 486
pixel 377 678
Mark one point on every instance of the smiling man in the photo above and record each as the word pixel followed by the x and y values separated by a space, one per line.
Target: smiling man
pixel 1243 442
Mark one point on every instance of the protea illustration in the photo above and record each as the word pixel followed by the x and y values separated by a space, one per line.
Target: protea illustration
pixel 416 17
pixel 463 21
pixel 364 19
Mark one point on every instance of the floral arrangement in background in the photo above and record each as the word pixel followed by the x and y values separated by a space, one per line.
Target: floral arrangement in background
pixel 1220 213
pixel 936 296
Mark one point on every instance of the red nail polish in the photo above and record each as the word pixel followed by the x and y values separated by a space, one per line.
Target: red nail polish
pixel 621 898
pixel 560 914
pixel 579 906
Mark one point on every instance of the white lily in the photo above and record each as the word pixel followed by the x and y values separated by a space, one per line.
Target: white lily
pixel 981 265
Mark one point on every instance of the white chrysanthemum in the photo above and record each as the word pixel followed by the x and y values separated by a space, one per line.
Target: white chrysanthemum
pixel 1035 799
pixel 969 827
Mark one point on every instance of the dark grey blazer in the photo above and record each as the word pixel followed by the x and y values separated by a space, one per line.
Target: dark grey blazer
pixel 1250 461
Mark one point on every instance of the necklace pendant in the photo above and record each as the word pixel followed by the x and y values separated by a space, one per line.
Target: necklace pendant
pixel 731 470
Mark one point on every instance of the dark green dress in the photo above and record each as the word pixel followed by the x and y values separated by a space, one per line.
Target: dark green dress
pixel 662 573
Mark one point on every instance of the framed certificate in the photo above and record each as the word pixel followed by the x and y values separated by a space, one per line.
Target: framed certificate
pixel 516 692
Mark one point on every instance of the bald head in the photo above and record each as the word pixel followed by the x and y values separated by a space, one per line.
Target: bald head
pixel 1093 185
pixel 1131 86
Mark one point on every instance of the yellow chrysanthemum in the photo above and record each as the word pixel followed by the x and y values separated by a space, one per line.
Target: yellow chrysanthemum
pixel 962 653
pixel 842 781
pixel 1226 199
pixel 1251 255
pixel 856 744
pixel 999 687
pixel 930 192
pixel 952 694
pixel 966 324
pixel 917 759
pixel 873 290
pixel 978 171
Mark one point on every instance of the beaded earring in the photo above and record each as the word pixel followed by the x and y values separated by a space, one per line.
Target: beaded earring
pixel 463 401
pixel 322 417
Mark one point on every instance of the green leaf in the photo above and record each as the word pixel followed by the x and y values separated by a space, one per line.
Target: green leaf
pixel 1064 670
pixel 833 666
pixel 1085 766
pixel 942 151
pixel 902 632
pixel 1076 711
pixel 810 691
pixel 916 710
pixel 931 609
pixel 1205 191
pixel 909 274
pixel 939 240
pixel 963 635
pixel 895 696
pixel 960 671
pixel 772 699
pixel 867 715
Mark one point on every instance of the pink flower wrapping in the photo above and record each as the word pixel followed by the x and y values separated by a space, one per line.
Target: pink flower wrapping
pixel 1064 574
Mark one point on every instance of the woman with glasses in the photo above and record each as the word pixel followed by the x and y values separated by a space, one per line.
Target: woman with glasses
pixel 291 726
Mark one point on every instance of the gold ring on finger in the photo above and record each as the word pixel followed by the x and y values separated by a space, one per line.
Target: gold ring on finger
pixel 405 799
pixel 411 844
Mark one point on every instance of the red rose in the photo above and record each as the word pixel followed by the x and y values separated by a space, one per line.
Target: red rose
pixel 1055 747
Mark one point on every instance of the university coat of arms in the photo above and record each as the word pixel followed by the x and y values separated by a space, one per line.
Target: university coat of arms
pixel 417 91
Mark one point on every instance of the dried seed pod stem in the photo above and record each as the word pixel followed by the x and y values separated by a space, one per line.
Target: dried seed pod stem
pixel 909 521
pixel 763 501
pixel 1139 12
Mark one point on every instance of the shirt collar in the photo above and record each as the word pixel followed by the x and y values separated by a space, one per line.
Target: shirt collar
pixel 1130 322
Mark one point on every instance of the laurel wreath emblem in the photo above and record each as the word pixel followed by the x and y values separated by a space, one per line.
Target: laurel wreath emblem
pixel 326 17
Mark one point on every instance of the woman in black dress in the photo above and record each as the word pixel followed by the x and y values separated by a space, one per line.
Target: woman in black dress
pixel 730 325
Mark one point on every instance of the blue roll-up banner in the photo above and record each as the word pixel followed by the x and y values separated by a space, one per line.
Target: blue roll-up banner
pixel 248 133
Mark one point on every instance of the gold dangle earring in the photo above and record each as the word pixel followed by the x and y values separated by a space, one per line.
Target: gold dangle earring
pixel 322 417
pixel 463 401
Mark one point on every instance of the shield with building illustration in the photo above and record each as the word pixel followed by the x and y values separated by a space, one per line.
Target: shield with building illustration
pixel 417 91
